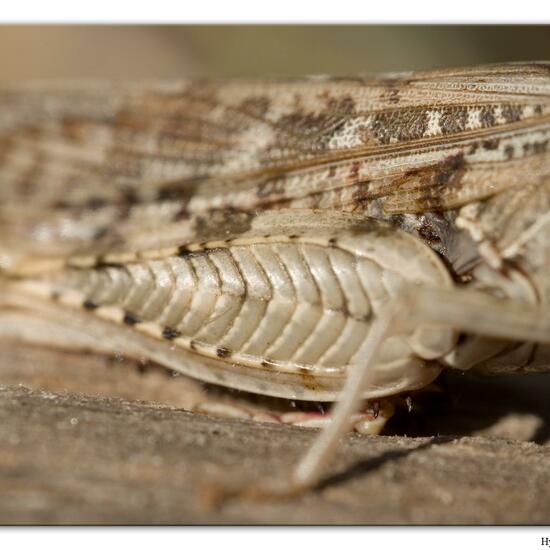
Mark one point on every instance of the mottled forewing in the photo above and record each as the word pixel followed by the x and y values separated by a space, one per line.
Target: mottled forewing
pixel 95 168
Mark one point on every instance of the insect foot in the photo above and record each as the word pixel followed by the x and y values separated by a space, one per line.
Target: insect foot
pixel 371 421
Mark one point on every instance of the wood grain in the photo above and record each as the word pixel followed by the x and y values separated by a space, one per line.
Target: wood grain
pixel 70 458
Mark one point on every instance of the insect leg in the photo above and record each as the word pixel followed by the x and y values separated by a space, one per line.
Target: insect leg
pixel 464 310
pixel 311 466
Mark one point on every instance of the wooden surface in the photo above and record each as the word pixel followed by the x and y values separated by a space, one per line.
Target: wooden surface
pixel 71 455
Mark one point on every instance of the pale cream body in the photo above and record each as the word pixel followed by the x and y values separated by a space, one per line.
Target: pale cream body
pixel 282 310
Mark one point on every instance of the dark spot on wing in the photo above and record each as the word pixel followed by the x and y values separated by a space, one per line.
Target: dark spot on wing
pixel 362 196
pixel 179 191
pixel 143 368
pixel 100 233
pixel 473 148
pixel 450 171
pixel 486 116
pixel 170 333
pixel 354 170
pixel 490 144
pixel 509 152
pixel 95 203
pixel 129 196
pixel 223 352
pixel 255 106
pixel 130 319
pixel 271 188
pixel 61 204
pixel 511 113
pixel 535 147
pixel 101 261
pixel 394 96
pixel 27 187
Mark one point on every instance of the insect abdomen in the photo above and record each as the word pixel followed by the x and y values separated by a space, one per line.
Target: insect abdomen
pixel 298 303
pixel 290 305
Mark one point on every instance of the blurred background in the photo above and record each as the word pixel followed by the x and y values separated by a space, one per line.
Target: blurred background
pixel 122 52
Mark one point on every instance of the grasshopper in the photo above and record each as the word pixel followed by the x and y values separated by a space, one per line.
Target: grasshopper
pixel 319 239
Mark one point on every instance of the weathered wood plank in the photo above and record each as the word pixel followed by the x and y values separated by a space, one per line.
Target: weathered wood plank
pixel 70 458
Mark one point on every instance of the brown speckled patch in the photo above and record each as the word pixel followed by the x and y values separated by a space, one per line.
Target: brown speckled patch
pixel 453 119
pixel 223 223
pixel 399 125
